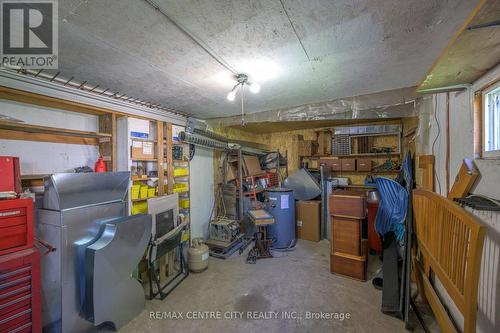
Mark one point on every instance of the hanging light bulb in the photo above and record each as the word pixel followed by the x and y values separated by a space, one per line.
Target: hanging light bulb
pixel 231 95
pixel 254 87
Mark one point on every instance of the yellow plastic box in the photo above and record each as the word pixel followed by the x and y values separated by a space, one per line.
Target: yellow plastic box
pixel 179 172
pixel 144 192
pixel 139 208
pixel 184 203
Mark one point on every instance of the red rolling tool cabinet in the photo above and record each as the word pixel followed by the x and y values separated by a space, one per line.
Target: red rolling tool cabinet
pixel 16 225
pixel 20 295
pixel 10 180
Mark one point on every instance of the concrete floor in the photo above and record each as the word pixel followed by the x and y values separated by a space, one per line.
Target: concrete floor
pixel 298 281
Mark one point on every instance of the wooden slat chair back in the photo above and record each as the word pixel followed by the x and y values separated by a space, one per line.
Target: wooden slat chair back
pixel 450 243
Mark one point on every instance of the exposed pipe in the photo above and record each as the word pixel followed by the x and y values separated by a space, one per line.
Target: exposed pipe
pixel 484 25
pixel 458 87
pixel 193 37
pixel 447 165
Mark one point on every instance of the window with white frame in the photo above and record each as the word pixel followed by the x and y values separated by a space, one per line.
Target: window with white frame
pixel 491 122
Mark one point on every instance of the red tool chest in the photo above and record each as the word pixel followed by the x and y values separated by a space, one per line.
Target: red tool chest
pixel 20 292
pixel 16 225
pixel 10 176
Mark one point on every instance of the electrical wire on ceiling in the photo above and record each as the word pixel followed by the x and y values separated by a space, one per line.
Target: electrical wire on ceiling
pixel 193 37
pixel 295 31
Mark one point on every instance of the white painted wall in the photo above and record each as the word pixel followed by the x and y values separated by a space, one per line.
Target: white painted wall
pixel 461 146
pixel 201 170
pixel 46 157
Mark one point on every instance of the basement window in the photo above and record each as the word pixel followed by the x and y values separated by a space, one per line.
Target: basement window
pixel 491 121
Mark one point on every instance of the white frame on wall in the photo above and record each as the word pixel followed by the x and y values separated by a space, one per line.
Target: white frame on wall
pixel 491 154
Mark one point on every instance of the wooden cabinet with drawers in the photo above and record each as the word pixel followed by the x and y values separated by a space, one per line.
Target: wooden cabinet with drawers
pixel 346 235
pixel 348 255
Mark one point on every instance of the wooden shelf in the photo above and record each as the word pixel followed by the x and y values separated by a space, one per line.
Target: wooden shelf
pixel 140 199
pixel 372 154
pixel 15 126
pixel 143 140
pixel 20 131
pixel 144 159
pixel 366 172
pixel 358 186
pixel 353 155
pixel 137 179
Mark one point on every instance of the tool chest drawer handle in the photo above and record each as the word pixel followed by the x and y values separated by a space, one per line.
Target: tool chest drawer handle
pixel 21 328
pixel 17 315
pixel 12 212
pixel 11 273
pixel 16 291
pixel 14 282
pixel 20 299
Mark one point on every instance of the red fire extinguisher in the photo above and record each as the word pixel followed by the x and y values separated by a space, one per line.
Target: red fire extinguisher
pixel 100 165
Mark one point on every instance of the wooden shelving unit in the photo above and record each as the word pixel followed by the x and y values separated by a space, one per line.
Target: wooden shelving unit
pixel 170 164
pixel 104 139
pixel 27 128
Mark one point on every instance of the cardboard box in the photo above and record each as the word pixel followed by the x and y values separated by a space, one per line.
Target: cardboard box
pixel 324 139
pixel 232 172
pixel 308 148
pixel 142 150
pixel 308 220
pixel 252 165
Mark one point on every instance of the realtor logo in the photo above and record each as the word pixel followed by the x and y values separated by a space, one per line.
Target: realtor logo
pixel 29 33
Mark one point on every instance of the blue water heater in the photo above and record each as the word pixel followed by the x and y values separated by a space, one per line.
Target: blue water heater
pixel 281 205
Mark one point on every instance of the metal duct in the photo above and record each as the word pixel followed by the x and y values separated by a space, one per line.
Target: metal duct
pixel 203 141
pixel 209 134
pixel 200 140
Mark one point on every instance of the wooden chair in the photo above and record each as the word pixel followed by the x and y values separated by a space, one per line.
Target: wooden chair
pixel 450 243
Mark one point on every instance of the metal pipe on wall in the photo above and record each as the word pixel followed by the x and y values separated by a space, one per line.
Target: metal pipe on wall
pixel 478 124
pixel 240 177
pixel 447 161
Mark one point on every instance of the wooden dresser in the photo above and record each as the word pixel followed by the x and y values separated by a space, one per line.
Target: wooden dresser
pixel 348 254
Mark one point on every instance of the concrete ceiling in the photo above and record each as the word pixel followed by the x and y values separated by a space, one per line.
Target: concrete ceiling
pixel 349 48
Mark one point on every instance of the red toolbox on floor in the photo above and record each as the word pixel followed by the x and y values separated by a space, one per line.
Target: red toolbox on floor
pixel 20 292
pixel 10 176
pixel 16 225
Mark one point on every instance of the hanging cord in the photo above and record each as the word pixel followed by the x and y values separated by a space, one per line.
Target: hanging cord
pixel 243 122
pixel 436 138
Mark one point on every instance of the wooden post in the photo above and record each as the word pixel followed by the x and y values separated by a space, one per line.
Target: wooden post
pixel 170 162
pixel 160 157
pixel 114 164
pixel 426 162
